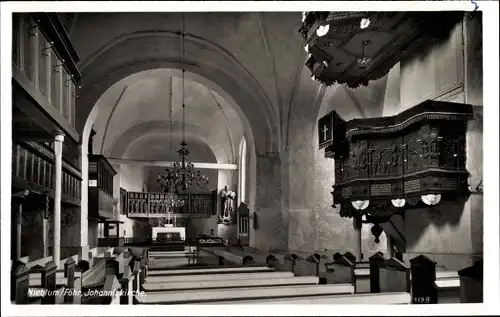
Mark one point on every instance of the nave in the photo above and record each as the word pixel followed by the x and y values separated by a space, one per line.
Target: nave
pixel 142 173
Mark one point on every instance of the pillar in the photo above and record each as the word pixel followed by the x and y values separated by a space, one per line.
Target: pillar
pixel 45 224
pixel 357 238
pixel 272 221
pixel 58 146
pixel 19 213
pixel 84 211
pixel 45 238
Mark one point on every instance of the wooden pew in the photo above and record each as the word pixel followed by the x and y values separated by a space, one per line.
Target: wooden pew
pixel 375 262
pixel 125 281
pixel 302 268
pixel 109 293
pixel 289 262
pixel 393 276
pixel 214 295
pixel 47 283
pixel 471 283
pixel 423 277
pixel 432 286
pixel 248 260
pixel 215 277
pixel 354 299
pixel 362 277
pixel 221 283
pixel 448 290
pixel 69 273
pixel 19 286
pixel 272 261
pixel 68 281
pixel 210 270
pixel 365 273
pixel 136 281
pixel 94 278
pixel 322 261
pixel 312 265
pixel 351 257
pixel 42 273
pixel 96 274
pixel 341 270
pixel 119 278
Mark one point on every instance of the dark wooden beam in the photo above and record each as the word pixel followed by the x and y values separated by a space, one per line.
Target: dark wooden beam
pixel 39 136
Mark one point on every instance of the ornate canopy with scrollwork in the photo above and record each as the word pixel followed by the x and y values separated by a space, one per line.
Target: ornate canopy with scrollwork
pixel 353 48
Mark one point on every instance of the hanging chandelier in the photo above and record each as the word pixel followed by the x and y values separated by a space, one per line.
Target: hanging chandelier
pixel 182 175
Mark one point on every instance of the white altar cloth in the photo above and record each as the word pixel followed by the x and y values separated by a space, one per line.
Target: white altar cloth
pixel 169 228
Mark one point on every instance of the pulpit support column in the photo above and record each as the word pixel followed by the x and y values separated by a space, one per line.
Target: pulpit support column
pixel 358 252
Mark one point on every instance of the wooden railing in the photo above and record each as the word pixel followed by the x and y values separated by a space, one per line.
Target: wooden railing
pixel 43 53
pixel 101 175
pixel 111 242
pixel 33 169
pixel 153 205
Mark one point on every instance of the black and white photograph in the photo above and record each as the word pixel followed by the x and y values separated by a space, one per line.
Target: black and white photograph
pixel 196 154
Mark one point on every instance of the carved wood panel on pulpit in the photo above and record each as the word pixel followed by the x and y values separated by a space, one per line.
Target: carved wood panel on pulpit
pixel 417 152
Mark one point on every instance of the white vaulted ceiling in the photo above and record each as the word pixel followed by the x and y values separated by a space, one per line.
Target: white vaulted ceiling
pixel 144 111
pixel 253 63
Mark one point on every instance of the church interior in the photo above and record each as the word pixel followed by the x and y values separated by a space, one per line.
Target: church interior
pixel 247 157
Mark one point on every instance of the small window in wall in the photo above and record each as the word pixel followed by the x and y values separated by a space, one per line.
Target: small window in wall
pixel 100 230
pixel 242 171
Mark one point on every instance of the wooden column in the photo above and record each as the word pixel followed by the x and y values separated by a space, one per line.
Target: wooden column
pixel 19 213
pixel 58 147
pixel 45 227
pixel 358 252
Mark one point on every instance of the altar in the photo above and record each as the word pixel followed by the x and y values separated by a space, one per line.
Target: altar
pixel 169 233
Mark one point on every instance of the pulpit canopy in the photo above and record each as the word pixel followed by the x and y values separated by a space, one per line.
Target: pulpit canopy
pixel 353 48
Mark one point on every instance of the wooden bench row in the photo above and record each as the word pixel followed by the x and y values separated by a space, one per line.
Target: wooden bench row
pixel 71 284
pixel 248 284
pixel 388 275
pixel 121 275
pixel 33 281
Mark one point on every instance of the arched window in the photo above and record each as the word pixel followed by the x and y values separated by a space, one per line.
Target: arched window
pixel 242 164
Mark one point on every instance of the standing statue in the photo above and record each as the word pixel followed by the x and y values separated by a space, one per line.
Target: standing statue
pixel 227 202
